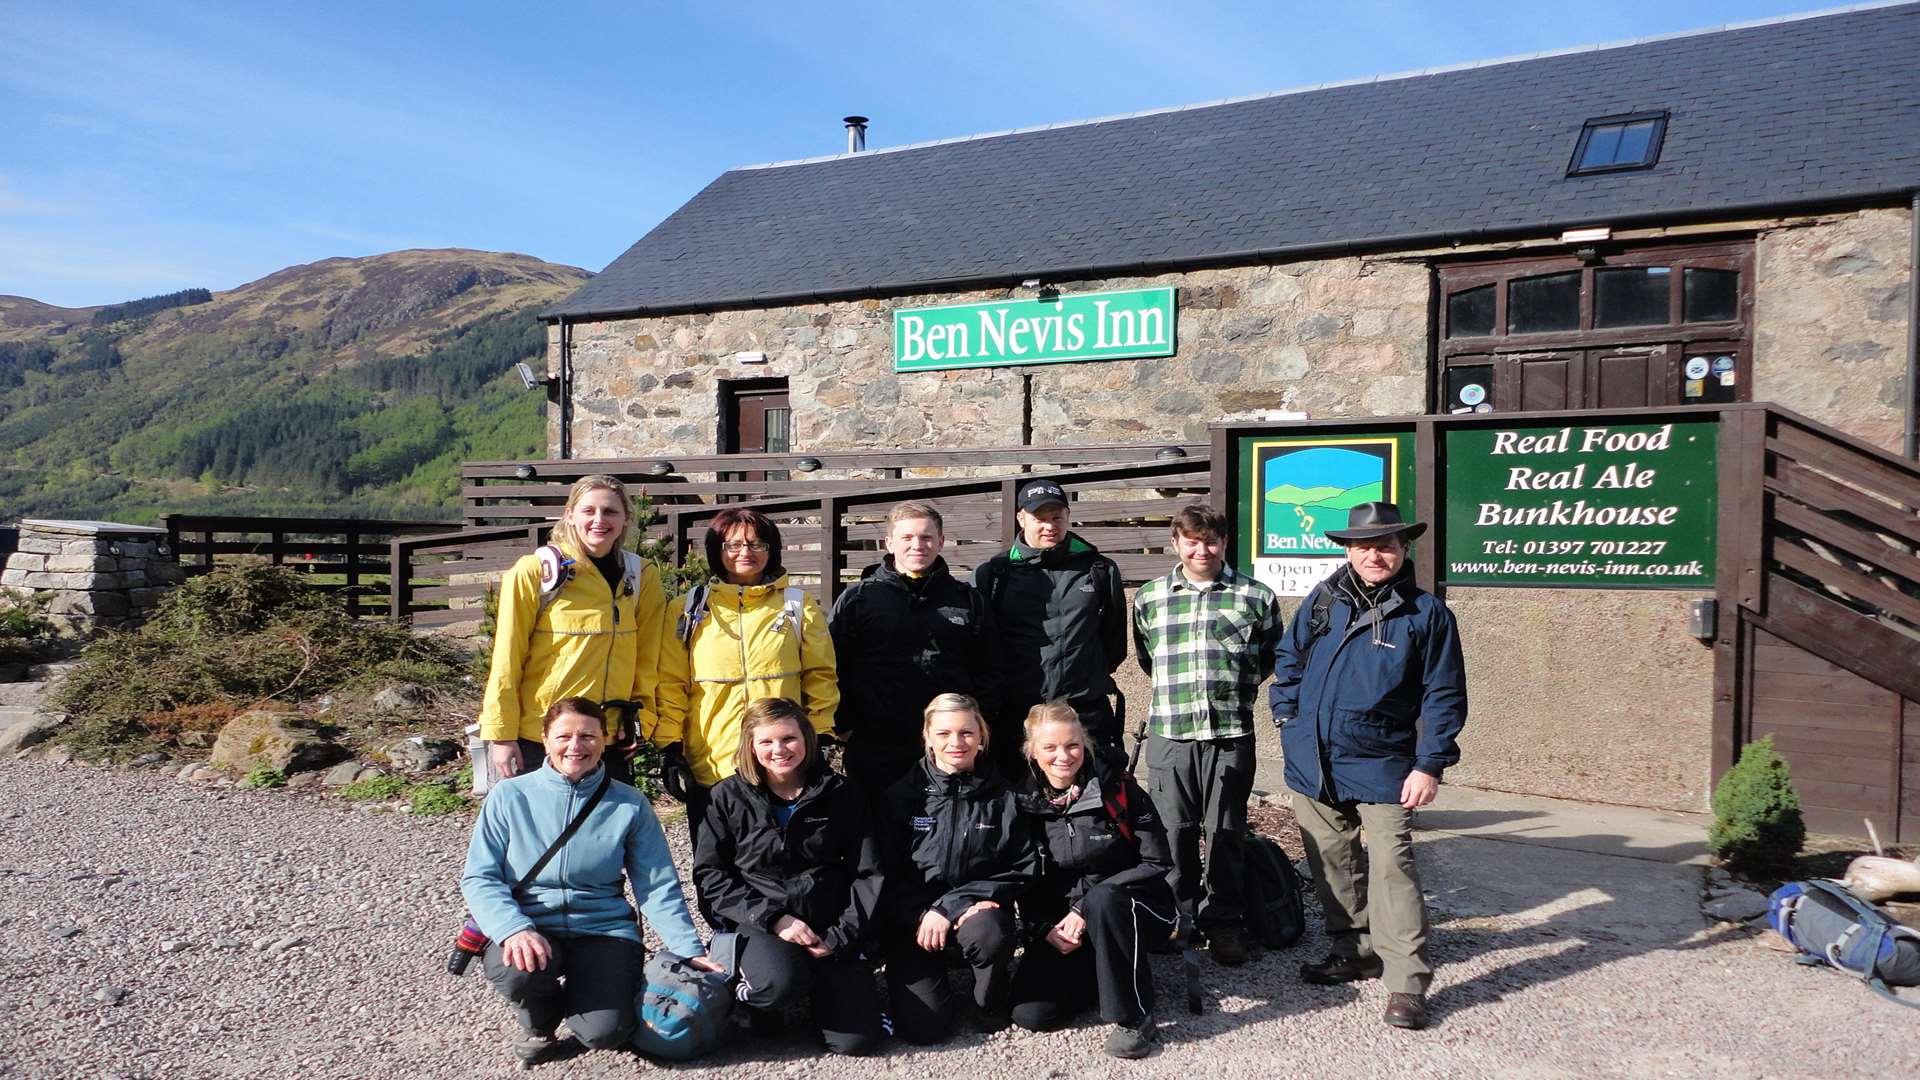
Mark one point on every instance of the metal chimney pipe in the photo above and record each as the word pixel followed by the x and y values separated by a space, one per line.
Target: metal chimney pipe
pixel 856 133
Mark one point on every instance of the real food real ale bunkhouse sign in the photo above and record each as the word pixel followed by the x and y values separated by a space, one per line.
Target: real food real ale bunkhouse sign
pixel 1613 506
pixel 1057 329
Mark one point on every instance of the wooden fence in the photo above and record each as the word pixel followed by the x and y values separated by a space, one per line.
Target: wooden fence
pixel 343 555
pixel 830 531
pixel 518 492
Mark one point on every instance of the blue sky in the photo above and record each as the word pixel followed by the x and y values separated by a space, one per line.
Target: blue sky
pixel 151 147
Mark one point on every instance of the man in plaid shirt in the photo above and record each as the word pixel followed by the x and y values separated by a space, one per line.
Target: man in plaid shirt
pixel 1206 636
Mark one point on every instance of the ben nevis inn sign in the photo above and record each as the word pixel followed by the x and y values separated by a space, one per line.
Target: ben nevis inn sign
pixel 1056 329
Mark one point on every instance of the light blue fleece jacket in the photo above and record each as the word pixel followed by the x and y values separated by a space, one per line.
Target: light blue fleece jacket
pixel 580 891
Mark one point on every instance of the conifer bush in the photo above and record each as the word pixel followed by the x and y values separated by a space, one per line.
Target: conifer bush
pixel 1757 827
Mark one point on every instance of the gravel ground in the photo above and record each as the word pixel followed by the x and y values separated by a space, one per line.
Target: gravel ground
pixel 150 927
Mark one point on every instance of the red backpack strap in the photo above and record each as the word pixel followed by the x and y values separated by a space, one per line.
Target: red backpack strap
pixel 1117 810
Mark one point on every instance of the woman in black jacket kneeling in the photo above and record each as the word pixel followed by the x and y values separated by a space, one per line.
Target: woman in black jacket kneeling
pixel 957 852
pixel 787 860
pixel 1103 896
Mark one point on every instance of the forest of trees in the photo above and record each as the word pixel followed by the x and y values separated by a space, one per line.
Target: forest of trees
pixel 133 309
pixel 254 419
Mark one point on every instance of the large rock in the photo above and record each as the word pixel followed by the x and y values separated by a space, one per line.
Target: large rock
pixel 402 697
pixel 282 740
pixel 420 754
pixel 27 728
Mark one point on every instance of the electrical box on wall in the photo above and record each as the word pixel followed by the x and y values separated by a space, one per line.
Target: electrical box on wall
pixel 1702 618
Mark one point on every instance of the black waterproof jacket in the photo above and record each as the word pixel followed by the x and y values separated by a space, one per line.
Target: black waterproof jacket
pixel 1110 835
pixel 901 642
pixel 823 868
pixel 948 841
pixel 1063 624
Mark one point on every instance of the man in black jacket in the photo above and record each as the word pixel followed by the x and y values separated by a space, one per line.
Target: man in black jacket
pixel 1062 614
pixel 906 633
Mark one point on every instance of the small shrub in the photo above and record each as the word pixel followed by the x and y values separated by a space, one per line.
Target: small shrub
pixel 25 630
pixel 264 776
pixel 240 635
pixel 434 800
pixel 1757 827
pixel 374 789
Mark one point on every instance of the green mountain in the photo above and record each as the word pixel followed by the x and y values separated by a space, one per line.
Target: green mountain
pixel 343 387
pixel 1352 497
pixel 1299 496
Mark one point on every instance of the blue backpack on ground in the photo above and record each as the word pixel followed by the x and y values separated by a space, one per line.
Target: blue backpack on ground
pixel 1831 926
pixel 681 1013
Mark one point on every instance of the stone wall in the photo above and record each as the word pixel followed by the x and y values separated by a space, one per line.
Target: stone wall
pixel 1327 337
pixel 98 573
pixel 1830 313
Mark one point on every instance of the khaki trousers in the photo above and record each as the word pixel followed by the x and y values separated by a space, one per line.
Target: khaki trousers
pixel 1382 913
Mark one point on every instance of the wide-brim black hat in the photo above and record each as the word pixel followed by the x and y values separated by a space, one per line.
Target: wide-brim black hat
pixel 1372 520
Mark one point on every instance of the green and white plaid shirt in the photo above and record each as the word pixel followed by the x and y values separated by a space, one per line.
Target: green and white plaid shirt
pixel 1207 649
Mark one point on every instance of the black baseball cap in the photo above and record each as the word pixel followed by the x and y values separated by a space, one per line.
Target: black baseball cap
pixel 1041 493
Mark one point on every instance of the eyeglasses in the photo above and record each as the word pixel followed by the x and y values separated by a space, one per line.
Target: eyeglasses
pixel 736 547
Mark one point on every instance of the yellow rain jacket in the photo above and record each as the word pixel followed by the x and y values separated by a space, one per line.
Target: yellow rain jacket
pixel 741 651
pixel 588 643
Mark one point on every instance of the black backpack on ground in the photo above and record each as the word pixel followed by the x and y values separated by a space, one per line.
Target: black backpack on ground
pixel 1276 915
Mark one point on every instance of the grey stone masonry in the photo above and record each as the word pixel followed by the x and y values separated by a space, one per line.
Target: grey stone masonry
pixel 99 573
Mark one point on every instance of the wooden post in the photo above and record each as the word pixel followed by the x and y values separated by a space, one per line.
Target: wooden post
pixel 1427 503
pixel 1009 506
pixel 353 573
pixel 1737 567
pixel 399 581
pixel 277 548
pixel 833 541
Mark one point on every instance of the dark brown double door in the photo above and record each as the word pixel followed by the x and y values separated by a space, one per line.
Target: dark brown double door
pixel 1621 377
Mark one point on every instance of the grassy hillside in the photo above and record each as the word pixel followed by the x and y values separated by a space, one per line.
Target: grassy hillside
pixel 349 386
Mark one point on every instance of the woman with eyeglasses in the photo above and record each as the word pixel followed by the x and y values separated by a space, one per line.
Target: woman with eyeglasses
pixel 745 634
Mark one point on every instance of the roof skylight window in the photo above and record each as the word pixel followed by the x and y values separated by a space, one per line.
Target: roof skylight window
pixel 1619 143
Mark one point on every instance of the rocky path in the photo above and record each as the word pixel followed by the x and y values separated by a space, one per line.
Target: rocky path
pixel 155 928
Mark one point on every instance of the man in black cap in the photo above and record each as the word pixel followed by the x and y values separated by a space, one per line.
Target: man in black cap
pixel 1370 694
pixel 1062 614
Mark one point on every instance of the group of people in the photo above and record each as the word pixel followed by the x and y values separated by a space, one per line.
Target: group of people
pixel 987 817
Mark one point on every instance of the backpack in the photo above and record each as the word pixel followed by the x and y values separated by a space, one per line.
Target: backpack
pixel 1833 927
pixel 793 602
pixel 556 570
pixel 1276 916
pixel 681 1013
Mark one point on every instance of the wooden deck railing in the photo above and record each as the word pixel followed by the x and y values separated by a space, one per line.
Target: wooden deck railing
pixel 342 555
pixel 516 492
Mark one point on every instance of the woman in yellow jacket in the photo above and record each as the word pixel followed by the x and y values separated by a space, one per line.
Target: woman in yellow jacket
pixel 756 638
pixel 596 637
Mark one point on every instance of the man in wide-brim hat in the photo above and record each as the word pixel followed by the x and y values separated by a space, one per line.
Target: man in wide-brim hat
pixel 1370 694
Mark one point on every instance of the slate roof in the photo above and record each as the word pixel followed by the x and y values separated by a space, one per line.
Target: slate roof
pixel 1816 110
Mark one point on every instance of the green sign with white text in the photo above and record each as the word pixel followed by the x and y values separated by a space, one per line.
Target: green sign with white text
pixel 1615 506
pixel 1051 330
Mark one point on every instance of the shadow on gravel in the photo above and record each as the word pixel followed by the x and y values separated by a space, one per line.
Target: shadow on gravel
pixel 1598 908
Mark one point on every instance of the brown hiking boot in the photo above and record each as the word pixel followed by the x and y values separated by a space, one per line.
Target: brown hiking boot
pixel 1407 1011
pixel 1334 970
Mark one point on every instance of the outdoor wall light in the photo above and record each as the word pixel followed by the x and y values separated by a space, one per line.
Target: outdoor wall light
pixel 660 468
pixel 807 464
pixel 1170 453
pixel 524 472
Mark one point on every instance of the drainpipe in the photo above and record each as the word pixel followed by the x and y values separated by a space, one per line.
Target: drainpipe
pixel 566 389
pixel 1912 448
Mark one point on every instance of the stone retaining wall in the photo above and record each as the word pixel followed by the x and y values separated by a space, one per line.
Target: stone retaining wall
pixel 99 573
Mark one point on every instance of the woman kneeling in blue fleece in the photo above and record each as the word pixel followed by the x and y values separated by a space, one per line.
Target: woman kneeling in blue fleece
pixel 568 944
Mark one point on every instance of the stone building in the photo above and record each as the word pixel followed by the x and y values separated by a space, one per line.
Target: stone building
pixel 1744 193
pixel 1718 216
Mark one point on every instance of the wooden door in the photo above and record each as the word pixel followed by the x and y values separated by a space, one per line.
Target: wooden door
pixel 1541 381
pixel 758 420
pixel 1631 377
